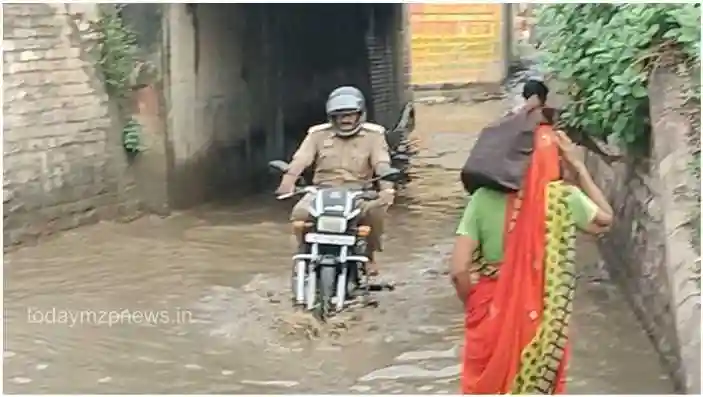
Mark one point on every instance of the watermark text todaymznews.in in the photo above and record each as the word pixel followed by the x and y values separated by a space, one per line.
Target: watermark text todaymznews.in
pixel 109 318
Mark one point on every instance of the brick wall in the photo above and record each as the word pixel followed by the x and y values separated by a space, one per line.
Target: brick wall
pixel 63 163
pixel 389 61
pixel 649 251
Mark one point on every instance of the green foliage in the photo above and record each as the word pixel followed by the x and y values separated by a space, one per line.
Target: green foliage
pixel 117 59
pixel 687 29
pixel 117 48
pixel 131 134
pixel 605 52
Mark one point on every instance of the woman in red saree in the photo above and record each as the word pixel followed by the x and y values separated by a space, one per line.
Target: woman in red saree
pixel 513 268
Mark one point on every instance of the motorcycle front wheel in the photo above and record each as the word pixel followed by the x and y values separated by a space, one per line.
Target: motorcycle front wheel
pixel 328 280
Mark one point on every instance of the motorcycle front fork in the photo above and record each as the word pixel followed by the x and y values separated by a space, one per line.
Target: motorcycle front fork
pixel 306 278
pixel 306 286
pixel 301 275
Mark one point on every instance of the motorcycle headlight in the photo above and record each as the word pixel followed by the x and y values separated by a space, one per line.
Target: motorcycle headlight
pixel 331 224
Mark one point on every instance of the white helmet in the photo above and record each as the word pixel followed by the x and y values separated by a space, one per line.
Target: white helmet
pixel 341 104
pixel 350 90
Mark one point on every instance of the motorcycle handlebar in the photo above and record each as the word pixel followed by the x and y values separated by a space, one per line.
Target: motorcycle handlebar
pixel 297 191
pixel 365 194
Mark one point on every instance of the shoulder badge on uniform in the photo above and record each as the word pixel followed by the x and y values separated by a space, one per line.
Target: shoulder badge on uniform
pixel 374 128
pixel 319 127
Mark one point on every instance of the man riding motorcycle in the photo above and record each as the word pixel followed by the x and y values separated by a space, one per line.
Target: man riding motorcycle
pixel 346 151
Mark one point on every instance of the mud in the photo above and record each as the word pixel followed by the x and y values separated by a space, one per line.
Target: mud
pixel 198 302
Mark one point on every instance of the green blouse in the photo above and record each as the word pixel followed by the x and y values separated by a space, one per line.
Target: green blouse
pixel 484 219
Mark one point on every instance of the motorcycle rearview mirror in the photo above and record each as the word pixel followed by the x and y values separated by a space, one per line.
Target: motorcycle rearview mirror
pixel 391 174
pixel 279 165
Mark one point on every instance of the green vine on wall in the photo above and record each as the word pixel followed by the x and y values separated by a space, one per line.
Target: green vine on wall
pixel 605 52
pixel 117 59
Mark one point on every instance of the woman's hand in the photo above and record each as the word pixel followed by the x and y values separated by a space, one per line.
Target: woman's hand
pixel 604 215
pixel 461 260
pixel 568 152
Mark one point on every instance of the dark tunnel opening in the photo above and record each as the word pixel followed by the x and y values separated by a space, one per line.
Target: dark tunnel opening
pixel 258 76
pixel 329 52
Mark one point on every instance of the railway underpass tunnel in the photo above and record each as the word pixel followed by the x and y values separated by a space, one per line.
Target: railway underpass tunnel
pixel 247 80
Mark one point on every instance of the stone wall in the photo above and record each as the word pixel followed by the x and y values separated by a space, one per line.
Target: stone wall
pixel 650 250
pixel 63 161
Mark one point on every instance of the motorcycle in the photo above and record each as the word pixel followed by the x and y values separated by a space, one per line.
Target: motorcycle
pixel 331 263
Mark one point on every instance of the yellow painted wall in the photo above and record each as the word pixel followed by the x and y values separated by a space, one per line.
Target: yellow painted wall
pixel 456 43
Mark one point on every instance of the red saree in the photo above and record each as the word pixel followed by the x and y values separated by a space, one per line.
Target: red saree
pixel 505 346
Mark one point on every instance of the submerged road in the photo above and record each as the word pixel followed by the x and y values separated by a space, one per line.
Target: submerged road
pixel 198 302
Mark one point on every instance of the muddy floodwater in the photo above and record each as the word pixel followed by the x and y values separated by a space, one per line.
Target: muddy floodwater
pixel 199 302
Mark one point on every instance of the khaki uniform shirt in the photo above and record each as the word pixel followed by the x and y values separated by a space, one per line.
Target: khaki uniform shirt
pixel 343 160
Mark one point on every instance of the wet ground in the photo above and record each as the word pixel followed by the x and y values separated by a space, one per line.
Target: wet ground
pixel 198 302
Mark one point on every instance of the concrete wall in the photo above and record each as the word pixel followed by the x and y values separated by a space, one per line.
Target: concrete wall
pixel 63 161
pixel 223 99
pixel 208 98
pixel 148 108
pixel 245 81
pixel 650 250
